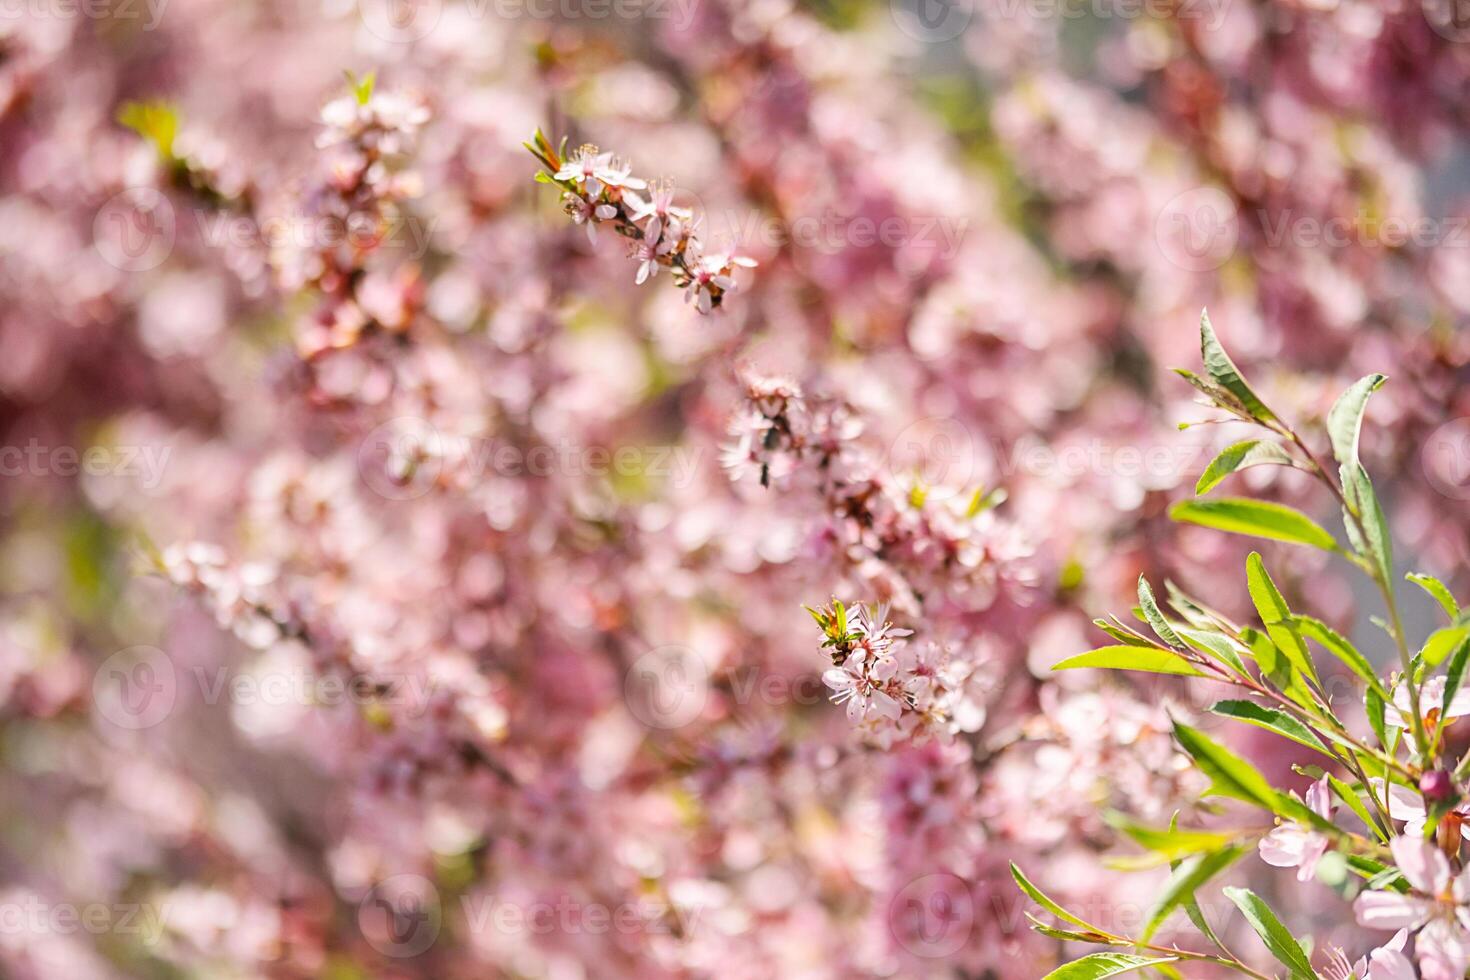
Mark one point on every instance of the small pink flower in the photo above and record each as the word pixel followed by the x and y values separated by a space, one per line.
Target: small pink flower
pixel 1387 962
pixel 597 170
pixel 1296 846
pixel 1436 907
pixel 1431 696
pixel 1406 805
pixel 665 221
pixel 583 212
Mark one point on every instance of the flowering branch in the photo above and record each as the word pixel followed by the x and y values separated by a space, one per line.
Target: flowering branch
pixel 597 188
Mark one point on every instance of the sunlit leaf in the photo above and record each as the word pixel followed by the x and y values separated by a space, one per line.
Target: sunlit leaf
pixel 1254 517
pixel 1242 455
pixel 1150 660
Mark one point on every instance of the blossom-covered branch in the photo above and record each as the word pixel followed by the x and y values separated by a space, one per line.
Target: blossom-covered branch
pixel 598 188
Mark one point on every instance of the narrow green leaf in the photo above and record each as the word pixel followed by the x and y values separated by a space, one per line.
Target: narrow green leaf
pixel 1443 642
pixel 1232 776
pixel 1375 544
pixel 1254 517
pixel 1338 645
pixel 1150 660
pixel 1354 803
pixel 1222 369
pixel 1278 939
pixel 1272 720
pixel 1345 421
pixel 1242 455
pixel 1375 705
pixel 1171 842
pixel 1040 898
pixel 1156 618
pixel 1067 935
pixel 1218 645
pixel 1124 636
pixel 1183 883
pixel 1100 965
pixel 1456 672
pixel 1276 614
pixel 1229 774
pixel 1438 591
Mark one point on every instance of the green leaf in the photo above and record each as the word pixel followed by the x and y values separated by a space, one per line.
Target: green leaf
pixel 1218 645
pixel 1156 618
pixel 1066 935
pixel 1276 614
pixel 1443 642
pixel 1171 842
pixel 1345 421
pixel 1456 673
pixel 1242 455
pixel 1040 898
pixel 1438 591
pixel 1254 517
pixel 1354 803
pixel 1232 776
pixel 1376 544
pixel 1124 636
pixel 1272 720
pixel 1229 774
pixel 1278 940
pixel 1338 645
pixel 1150 660
pixel 1222 369
pixel 1100 965
pixel 1375 705
pixel 1181 886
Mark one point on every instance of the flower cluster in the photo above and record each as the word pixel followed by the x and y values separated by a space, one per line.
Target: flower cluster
pixel 598 188
pixel 893 690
